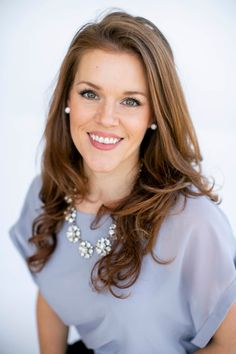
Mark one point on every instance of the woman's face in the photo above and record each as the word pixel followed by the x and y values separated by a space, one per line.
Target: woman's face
pixel 110 110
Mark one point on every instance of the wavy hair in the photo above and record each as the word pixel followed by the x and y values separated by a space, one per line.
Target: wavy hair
pixel 171 156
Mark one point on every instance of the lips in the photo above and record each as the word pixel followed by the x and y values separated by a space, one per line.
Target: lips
pixel 104 141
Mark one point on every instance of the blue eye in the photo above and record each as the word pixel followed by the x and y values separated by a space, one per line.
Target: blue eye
pixel 89 94
pixel 131 102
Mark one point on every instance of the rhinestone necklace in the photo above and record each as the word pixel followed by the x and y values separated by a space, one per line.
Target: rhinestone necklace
pixel 86 249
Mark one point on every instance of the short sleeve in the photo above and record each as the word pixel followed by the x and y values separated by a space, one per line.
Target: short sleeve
pixel 209 268
pixel 21 231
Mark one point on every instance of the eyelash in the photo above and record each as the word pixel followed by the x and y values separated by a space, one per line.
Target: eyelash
pixel 137 102
pixel 82 93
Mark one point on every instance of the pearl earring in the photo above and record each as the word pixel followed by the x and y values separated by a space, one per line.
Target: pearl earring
pixel 67 110
pixel 153 126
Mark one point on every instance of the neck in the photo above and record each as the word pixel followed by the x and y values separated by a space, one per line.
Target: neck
pixel 106 188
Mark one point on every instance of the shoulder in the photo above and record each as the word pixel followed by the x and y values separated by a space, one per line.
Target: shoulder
pixel 195 223
pixel 31 206
pixel 194 212
pixel 32 198
pixel 21 231
pixel 35 186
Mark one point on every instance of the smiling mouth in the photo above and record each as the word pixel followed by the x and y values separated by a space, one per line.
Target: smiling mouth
pixel 104 140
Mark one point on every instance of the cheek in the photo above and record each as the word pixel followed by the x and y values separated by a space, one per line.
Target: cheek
pixel 138 127
pixel 79 117
pixel 76 124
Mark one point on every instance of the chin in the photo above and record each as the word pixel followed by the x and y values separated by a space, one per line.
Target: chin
pixel 102 167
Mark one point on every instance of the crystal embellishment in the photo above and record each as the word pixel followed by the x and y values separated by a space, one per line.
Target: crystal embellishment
pixel 70 214
pixel 73 233
pixel 103 246
pixel 86 249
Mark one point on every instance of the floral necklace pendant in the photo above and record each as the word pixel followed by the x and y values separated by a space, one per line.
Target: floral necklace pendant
pixel 86 249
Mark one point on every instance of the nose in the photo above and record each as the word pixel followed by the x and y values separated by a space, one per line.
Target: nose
pixel 106 114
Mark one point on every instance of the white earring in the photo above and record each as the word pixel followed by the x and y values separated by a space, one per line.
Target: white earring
pixel 67 110
pixel 153 126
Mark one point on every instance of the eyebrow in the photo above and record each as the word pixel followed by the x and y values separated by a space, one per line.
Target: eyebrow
pixel 99 88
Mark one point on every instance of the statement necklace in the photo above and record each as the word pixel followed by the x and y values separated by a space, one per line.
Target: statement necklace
pixel 86 249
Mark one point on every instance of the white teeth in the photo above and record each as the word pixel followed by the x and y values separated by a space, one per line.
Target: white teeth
pixel 103 140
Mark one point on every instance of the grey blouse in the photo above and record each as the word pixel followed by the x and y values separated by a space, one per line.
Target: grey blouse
pixel 171 309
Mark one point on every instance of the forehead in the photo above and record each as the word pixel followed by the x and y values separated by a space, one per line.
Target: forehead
pixel 112 67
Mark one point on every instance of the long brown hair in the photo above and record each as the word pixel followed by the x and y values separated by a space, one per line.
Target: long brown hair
pixel 171 156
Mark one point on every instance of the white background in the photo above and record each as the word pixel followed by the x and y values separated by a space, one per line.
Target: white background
pixel 34 38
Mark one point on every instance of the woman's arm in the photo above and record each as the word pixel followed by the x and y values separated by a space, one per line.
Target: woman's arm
pixel 52 332
pixel 224 340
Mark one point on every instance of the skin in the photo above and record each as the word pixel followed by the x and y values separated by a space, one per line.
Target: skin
pixel 52 332
pixel 224 340
pixel 109 109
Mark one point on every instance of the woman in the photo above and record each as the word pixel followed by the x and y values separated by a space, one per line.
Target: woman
pixel 126 242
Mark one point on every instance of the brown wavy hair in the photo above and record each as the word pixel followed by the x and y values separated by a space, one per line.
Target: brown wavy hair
pixel 171 156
